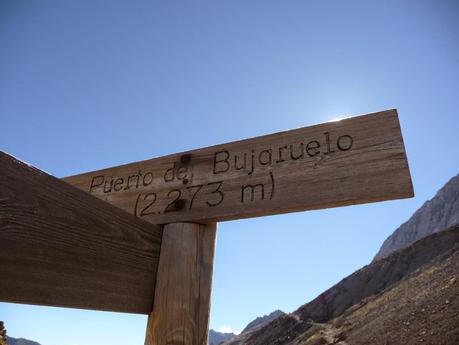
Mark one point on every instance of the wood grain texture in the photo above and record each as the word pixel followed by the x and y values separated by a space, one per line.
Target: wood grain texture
pixel 352 161
pixel 183 289
pixel 60 246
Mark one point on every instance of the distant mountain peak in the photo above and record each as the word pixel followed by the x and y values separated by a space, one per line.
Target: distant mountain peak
pixel 437 214
pixel 217 338
pixel 263 320
pixel 21 341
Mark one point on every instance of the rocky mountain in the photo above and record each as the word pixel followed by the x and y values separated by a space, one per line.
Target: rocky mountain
pixel 263 320
pixel 216 338
pixel 252 327
pixel 21 341
pixel 409 297
pixel 437 214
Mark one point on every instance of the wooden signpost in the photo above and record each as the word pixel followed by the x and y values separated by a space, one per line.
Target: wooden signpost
pixel 67 248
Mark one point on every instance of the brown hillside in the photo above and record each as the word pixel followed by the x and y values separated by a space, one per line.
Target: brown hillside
pixel 410 297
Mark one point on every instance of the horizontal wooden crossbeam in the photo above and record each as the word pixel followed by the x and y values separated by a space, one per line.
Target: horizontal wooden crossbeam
pixel 60 246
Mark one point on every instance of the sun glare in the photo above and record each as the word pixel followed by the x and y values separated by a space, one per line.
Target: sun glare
pixel 336 119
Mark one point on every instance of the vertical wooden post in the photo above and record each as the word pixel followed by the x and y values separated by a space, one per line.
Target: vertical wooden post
pixel 181 308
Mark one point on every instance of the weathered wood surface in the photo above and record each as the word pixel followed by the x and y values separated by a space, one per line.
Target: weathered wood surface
pixel 60 246
pixel 183 287
pixel 352 161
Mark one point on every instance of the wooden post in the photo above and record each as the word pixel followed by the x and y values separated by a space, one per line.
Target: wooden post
pixel 181 309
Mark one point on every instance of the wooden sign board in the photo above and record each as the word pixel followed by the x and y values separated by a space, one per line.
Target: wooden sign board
pixel 352 161
pixel 63 247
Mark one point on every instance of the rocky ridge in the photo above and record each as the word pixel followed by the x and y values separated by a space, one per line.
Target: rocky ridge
pixel 217 338
pixel 439 213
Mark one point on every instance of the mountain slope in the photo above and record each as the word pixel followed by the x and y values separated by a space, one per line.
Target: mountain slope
pixel 422 309
pixel 437 214
pixel 21 341
pixel 412 294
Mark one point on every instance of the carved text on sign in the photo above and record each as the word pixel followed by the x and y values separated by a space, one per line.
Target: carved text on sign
pixel 355 160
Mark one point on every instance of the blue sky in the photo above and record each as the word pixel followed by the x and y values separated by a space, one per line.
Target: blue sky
pixel 92 84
